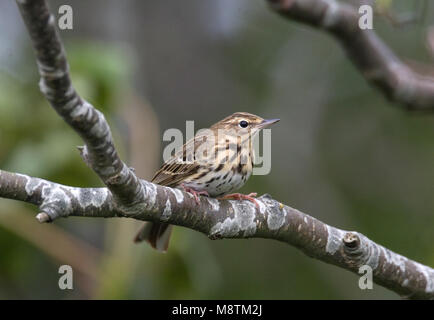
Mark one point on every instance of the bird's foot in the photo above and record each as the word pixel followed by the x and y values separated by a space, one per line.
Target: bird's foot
pixel 195 193
pixel 240 196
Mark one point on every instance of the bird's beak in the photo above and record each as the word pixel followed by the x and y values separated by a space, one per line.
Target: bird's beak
pixel 267 122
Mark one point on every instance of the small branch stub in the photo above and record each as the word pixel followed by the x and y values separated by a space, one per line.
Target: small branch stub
pixel 351 241
pixel 43 217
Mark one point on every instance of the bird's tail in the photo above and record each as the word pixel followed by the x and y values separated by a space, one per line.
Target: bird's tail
pixel 156 234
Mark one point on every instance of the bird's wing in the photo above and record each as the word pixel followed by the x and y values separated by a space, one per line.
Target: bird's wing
pixel 174 171
pixel 172 174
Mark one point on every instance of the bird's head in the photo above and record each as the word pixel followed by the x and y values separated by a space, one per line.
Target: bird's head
pixel 243 124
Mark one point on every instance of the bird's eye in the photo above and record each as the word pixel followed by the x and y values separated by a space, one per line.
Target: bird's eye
pixel 243 124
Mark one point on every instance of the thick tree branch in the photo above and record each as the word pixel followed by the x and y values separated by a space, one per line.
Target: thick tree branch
pixel 127 196
pixel 99 151
pixel 232 219
pixel 377 63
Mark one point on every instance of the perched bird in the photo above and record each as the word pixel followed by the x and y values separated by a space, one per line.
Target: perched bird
pixel 214 163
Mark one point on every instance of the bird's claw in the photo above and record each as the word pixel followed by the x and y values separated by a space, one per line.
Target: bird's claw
pixel 240 196
pixel 195 193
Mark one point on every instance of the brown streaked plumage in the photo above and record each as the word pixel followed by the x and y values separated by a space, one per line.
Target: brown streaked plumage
pixel 215 162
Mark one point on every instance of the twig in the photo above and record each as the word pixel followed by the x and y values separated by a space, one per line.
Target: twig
pixel 376 62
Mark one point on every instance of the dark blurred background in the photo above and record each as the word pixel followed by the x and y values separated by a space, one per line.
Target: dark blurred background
pixel 341 153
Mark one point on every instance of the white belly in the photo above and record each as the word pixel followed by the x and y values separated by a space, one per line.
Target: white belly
pixel 220 186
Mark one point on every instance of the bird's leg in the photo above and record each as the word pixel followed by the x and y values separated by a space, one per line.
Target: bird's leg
pixel 240 196
pixel 194 192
